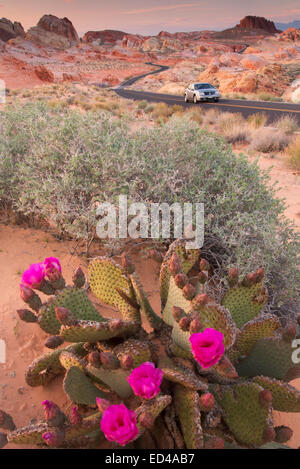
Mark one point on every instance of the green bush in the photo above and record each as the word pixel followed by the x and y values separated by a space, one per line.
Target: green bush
pixel 58 163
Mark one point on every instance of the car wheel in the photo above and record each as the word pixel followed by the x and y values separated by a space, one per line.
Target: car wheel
pixel 195 99
pixel 216 100
pixel 186 98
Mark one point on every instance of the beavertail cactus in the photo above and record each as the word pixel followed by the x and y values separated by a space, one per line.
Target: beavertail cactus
pixel 209 373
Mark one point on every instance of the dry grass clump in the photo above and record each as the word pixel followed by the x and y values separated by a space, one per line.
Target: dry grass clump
pixel 268 97
pixel 195 115
pixel 257 120
pixel 287 124
pixel 268 140
pixel 162 112
pixel 233 127
pixel 211 117
pixel 293 152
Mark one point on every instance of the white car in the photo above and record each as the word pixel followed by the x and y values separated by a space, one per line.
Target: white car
pixel 201 92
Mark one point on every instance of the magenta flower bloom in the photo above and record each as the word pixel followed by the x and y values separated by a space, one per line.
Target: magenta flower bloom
pixel 119 424
pixel 34 276
pixel 52 268
pixel 145 380
pixel 207 347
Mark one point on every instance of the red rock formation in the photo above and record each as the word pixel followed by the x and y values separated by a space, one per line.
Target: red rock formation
pixel 62 27
pixel 44 74
pixel 106 36
pixel 257 22
pixel 53 32
pixel 9 30
pixel 291 34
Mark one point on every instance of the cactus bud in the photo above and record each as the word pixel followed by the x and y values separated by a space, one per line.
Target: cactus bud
pixel 6 421
pixel 26 315
pixel 289 332
pixel 65 316
pixel 79 278
pixel 203 277
pixel 184 323
pixel 269 434
pixel 189 291
pixel 54 439
pixel 30 297
pixel 109 361
pixel 260 273
pixel 127 264
pixel 207 402
pixel 52 414
pixel 3 440
pixel 94 359
pixel 155 255
pixel 233 276
pixel 226 368
pixel 75 417
pixel 146 420
pixel 102 404
pixel 204 265
pixel 195 326
pixel 181 280
pixel 249 280
pixel 54 341
pixel 214 442
pixel 177 313
pixel 265 398
pixel 126 362
pixel 200 300
pixel 283 434
pixel 174 264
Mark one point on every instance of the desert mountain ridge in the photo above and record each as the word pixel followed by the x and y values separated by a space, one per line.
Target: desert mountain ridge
pixel 50 25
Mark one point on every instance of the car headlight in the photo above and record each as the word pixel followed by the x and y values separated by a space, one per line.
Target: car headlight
pixel 200 93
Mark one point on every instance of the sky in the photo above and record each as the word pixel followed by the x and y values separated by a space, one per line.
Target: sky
pixel 151 16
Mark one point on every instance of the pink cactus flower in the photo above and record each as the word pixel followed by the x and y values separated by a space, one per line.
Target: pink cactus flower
pixel 52 268
pixel 119 424
pixel 34 276
pixel 145 380
pixel 207 347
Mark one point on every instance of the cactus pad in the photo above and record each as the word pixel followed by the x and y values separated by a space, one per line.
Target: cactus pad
pixel 252 331
pixel 115 379
pixel 243 303
pixel 285 397
pixel 79 389
pixel 72 298
pixel 91 331
pixel 244 414
pixel 105 277
pixel 181 375
pixel 270 357
pixel 187 404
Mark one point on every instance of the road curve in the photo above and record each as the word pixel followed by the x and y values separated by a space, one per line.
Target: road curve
pixel 273 110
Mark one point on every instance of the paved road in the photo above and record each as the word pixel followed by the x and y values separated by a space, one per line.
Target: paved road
pixel 273 110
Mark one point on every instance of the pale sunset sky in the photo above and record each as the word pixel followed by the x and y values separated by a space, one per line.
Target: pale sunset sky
pixel 151 16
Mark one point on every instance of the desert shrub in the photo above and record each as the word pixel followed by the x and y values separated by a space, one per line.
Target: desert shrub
pixel 268 97
pixel 227 120
pixel 162 112
pixel 149 108
pixel 195 115
pixel 211 117
pixel 287 124
pixel 142 104
pixel 257 120
pixel 293 152
pixel 268 140
pixel 60 163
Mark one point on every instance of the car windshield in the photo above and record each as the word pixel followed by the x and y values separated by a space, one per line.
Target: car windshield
pixel 202 86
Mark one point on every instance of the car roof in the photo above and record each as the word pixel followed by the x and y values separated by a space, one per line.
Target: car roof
pixel 200 83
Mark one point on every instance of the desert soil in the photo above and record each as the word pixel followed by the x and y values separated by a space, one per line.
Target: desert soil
pixel 22 246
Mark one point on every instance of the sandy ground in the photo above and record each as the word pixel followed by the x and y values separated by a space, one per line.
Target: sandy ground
pixel 22 246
